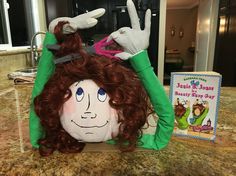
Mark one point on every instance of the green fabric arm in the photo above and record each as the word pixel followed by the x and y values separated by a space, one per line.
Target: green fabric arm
pixel 45 70
pixel 159 100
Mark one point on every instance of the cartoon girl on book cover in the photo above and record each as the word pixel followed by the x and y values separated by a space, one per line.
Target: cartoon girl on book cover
pixel 182 111
pixel 199 112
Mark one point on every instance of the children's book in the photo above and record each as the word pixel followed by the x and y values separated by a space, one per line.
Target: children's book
pixel 195 98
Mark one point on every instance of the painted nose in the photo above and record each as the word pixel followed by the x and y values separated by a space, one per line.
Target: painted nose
pixel 89 115
pixel 88 106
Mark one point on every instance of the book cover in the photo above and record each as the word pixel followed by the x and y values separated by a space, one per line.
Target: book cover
pixel 195 98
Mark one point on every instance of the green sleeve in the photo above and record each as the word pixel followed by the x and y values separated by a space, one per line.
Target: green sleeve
pixel 45 70
pixel 159 100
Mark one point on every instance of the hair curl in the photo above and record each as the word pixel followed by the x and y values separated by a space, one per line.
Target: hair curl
pixel 124 88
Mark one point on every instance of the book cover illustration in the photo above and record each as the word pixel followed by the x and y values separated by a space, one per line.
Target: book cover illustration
pixel 195 98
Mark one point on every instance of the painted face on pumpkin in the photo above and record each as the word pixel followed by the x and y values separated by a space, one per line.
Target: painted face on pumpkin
pixel 87 115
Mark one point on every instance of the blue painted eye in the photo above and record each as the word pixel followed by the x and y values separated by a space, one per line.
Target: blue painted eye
pixel 79 94
pixel 102 95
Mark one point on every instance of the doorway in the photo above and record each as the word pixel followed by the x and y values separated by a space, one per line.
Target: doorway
pixel 180 36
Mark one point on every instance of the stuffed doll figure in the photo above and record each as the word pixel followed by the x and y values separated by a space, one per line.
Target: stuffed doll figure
pixel 89 95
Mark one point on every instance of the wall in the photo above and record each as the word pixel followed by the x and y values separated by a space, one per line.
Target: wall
pixel 187 19
pixel 11 61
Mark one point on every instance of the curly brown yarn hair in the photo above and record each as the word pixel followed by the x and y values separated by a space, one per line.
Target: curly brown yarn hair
pixel 126 92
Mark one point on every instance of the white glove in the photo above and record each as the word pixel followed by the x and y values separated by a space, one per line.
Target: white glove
pixel 83 21
pixel 133 40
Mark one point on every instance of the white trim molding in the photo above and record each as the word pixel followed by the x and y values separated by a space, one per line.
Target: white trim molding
pixel 161 42
pixel 7 25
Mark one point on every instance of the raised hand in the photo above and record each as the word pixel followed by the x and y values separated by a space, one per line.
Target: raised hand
pixel 83 21
pixel 133 40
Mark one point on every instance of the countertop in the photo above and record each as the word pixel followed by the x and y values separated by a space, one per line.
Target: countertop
pixel 183 156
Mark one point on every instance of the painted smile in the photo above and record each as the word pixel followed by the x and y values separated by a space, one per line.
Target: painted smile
pixel 95 126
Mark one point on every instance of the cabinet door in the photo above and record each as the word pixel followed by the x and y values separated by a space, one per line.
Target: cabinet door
pixel 225 52
pixel 57 8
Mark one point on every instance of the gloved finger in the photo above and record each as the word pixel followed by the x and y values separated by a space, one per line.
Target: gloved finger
pixel 113 35
pixel 147 21
pixel 123 30
pixel 121 39
pixel 90 22
pixel 69 28
pixel 54 22
pixel 123 55
pixel 96 13
pixel 134 19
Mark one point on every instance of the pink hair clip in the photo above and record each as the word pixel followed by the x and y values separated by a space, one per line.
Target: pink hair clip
pixel 100 48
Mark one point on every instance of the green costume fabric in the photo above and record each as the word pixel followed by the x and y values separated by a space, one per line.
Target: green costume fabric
pixel 46 68
pixel 159 100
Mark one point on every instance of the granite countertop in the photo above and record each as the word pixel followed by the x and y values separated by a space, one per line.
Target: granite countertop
pixel 183 156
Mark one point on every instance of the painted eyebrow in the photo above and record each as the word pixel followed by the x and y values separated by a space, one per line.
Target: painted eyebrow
pixel 76 83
